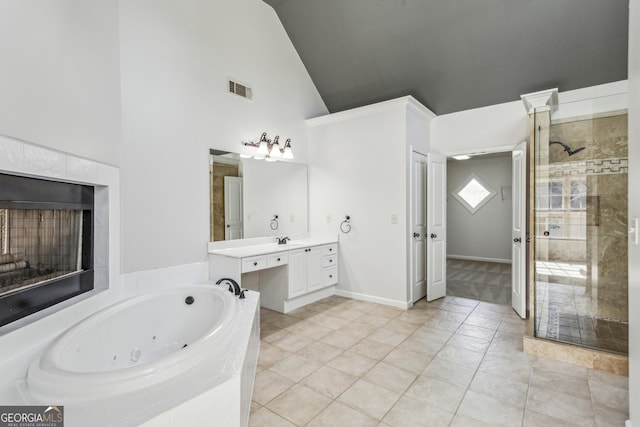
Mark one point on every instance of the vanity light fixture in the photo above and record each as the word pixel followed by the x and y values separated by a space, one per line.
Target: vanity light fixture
pixel 270 151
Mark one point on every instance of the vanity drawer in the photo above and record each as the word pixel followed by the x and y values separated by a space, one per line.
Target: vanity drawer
pixel 275 260
pixel 330 249
pixel 329 261
pixel 330 275
pixel 254 263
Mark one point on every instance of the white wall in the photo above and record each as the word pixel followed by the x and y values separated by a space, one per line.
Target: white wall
pixel 270 189
pixel 634 211
pixel 487 233
pixel 60 75
pixel 357 168
pixel 176 57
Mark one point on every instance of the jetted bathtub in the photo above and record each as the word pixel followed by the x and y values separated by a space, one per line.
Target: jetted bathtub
pixel 135 343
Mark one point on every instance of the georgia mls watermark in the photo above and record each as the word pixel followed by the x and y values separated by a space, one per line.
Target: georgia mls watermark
pixel 31 416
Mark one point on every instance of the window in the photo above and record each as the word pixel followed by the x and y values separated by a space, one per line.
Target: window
pixel 549 195
pixel 578 196
pixel 473 193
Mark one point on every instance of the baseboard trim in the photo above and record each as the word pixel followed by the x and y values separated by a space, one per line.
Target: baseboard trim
pixel 477 258
pixel 371 298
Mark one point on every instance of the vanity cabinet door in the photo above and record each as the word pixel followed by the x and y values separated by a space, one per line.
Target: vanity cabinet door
pixel 297 273
pixel 314 268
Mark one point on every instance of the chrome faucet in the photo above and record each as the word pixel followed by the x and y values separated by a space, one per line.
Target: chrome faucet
pixel 282 240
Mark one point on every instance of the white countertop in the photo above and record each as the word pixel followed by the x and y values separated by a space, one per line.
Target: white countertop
pixel 255 249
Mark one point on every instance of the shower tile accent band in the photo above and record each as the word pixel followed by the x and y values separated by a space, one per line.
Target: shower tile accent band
pixel 588 167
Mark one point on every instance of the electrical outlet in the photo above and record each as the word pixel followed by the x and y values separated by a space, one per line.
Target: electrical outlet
pixel 394 218
pixel 328 218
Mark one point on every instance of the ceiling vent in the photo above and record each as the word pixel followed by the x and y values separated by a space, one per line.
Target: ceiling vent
pixel 240 89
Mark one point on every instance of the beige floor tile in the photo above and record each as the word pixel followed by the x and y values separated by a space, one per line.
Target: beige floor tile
pixel 619 381
pixel 476 332
pixel 416 316
pixel 271 334
pixel 270 355
pixel 268 385
pixel 265 418
pixel 409 412
pixel 549 366
pixel 563 383
pixel 320 352
pixel 292 342
pixel 467 342
pixel 450 315
pixel 328 381
pixel 347 314
pixel 464 421
pixel 341 339
pixel 401 326
pixel 442 324
pixel 456 308
pixel 436 393
pixel 340 415
pixel 387 312
pixel 489 410
pixel 255 406
pixel 391 377
pixel 388 336
pixel 612 397
pixel 459 356
pixel 502 389
pixel 369 398
pixel 421 344
pixel 437 336
pixel 327 321
pixel 299 404
pixel 534 419
pixel 560 405
pixel 464 301
pixel 372 349
pixel 373 320
pixel 310 330
pixel 359 328
pixel 506 367
pixel 606 416
pixel 410 360
pixel 450 373
pixel 352 363
pixel 295 367
pixel 477 319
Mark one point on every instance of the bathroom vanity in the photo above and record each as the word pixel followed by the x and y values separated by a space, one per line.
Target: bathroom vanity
pixel 288 276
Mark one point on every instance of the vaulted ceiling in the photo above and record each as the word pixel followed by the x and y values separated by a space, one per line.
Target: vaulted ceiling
pixel 454 55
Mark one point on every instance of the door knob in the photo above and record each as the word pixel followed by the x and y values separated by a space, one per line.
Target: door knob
pixel 433 235
pixel 546 233
pixel 416 235
pixel 517 240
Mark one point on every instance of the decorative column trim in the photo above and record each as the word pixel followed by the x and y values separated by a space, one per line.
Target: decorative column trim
pixel 538 100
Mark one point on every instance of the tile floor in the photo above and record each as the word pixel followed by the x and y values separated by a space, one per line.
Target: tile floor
pixel 484 281
pixel 452 362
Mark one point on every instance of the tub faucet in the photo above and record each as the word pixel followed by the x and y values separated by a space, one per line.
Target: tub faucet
pixel 234 288
pixel 283 240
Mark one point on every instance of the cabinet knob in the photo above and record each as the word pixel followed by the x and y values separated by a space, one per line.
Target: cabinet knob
pixel 330 260
pixel 255 263
pixel 278 259
pixel 331 276
pixel 330 249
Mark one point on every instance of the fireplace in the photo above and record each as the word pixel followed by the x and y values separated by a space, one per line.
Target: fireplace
pixel 46 244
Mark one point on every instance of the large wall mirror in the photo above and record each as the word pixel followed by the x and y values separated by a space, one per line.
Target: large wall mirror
pixel 247 194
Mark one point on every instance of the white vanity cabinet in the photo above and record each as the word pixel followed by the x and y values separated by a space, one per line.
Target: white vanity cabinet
pixel 306 271
pixel 286 278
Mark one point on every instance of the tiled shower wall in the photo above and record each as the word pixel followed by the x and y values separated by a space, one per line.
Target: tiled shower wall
pixel 604 165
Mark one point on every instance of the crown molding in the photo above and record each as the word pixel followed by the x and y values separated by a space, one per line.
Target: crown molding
pixel 537 100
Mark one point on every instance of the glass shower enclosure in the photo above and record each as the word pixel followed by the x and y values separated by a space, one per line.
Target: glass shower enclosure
pixel 580 223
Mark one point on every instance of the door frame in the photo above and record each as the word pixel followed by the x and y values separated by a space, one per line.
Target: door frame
pixel 504 149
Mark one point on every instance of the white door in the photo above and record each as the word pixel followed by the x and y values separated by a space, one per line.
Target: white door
pixel 518 230
pixel 232 207
pixel 418 226
pixel 436 226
